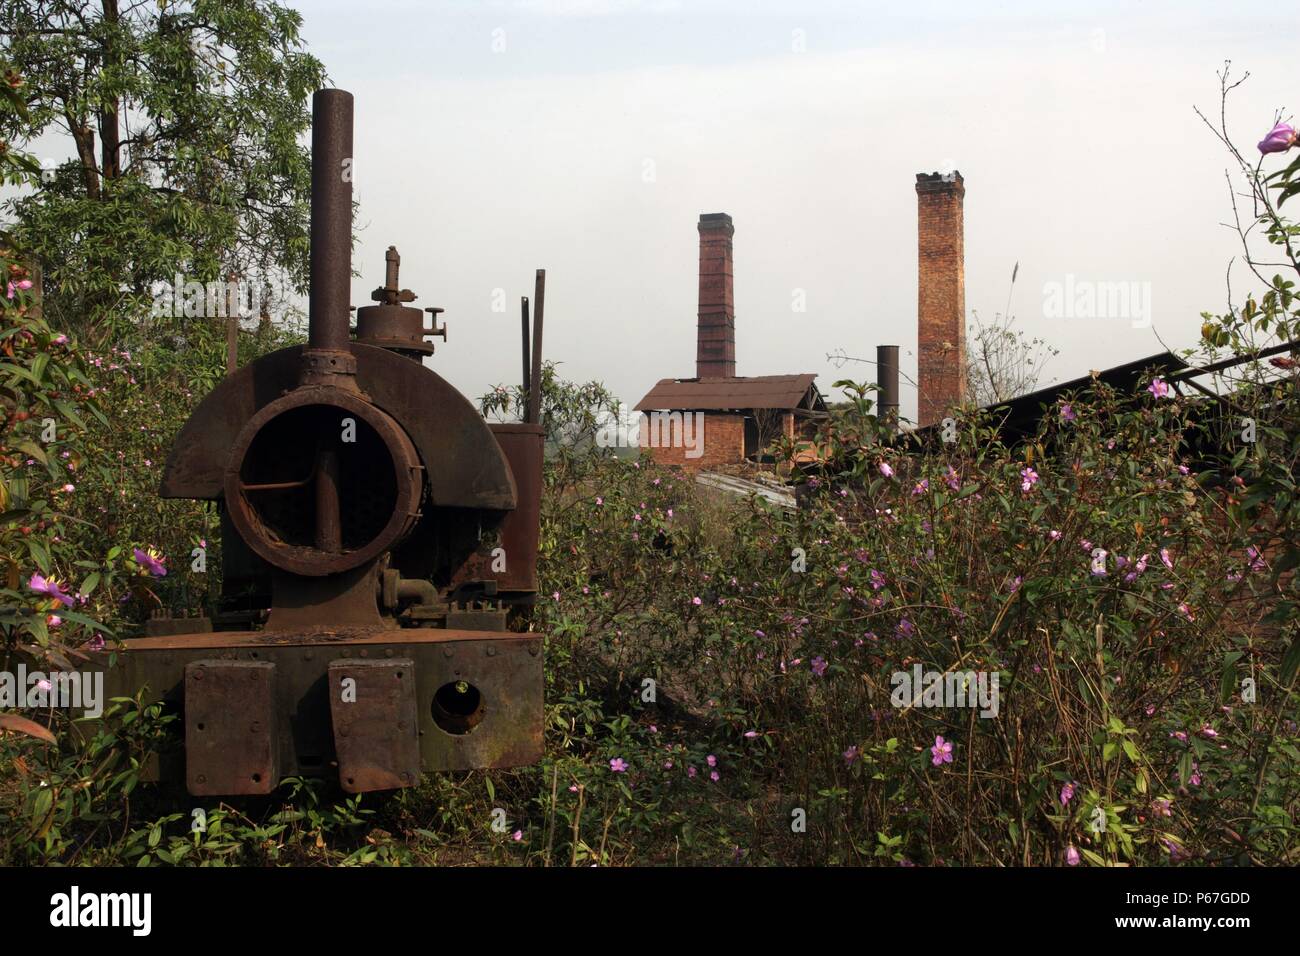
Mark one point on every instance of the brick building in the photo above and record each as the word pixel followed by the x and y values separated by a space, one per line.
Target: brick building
pixel 718 417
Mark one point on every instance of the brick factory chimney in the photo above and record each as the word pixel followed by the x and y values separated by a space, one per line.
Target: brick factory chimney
pixel 941 311
pixel 715 353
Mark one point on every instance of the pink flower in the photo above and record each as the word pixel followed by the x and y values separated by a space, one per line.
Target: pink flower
pixel 819 666
pixel 1165 559
pixel 1071 856
pixel 618 765
pixel 886 470
pixel 715 776
pixel 1029 478
pixel 696 601
pixel 1067 793
pixel 1158 387
pixel 711 760
pixel 951 479
pixel 691 772
pixel 877 580
pixel 50 588
pixel 54 621
pixel 1053 536
pixel 1279 139
pixel 941 752
pixel 600 500
pixel 751 734
pixel 1067 413
pixel 518 835
pixel 922 487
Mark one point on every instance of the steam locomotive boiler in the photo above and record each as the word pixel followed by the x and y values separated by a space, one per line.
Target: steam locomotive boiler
pixel 379 542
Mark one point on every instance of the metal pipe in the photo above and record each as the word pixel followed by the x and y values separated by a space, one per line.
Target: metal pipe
pixel 329 532
pixel 331 219
pixel 523 309
pixel 535 383
pixel 887 379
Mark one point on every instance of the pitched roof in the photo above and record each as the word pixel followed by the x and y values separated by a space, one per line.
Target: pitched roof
pixel 757 391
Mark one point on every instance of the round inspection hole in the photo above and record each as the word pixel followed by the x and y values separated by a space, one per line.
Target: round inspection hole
pixel 457 707
pixel 200 726
pixel 257 778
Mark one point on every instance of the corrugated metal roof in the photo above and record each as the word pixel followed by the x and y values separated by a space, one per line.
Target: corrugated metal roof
pixel 1020 415
pixel 757 391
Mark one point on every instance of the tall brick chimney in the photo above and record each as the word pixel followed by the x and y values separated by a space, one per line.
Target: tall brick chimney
pixel 715 352
pixel 941 300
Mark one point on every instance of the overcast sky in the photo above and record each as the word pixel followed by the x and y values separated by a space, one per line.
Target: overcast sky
pixel 586 137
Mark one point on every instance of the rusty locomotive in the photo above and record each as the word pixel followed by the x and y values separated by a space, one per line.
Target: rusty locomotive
pixel 379 547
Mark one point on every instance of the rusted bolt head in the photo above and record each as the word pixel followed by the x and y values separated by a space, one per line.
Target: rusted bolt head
pixel 446 652
pixel 198 674
pixel 492 652
pixel 201 778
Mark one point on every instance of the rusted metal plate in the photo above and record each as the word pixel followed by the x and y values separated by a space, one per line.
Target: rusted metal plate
pixel 504 667
pixel 231 728
pixel 376 731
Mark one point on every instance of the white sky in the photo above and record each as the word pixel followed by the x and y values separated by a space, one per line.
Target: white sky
pixel 1072 125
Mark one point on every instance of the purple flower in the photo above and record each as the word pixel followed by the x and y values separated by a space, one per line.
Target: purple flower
pixel 851 754
pixel 819 666
pixel 941 752
pixel 696 601
pixel 618 765
pixel 711 760
pixel 96 643
pixel 1067 793
pixel 1279 139
pixel 151 561
pixel 715 776
pixel 886 470
pixel 1071 856
pixel 50 588
pixel 1054 536
pixel 1067 413
pixel 1165 559
pixel 1028 478
pixel 877 580
pixel 1158 387
pixel 922 487
pixel 906 628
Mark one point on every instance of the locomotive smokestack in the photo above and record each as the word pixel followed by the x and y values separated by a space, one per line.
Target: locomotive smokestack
pixel 331 219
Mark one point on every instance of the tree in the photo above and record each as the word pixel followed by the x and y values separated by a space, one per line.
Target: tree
pixel 185 119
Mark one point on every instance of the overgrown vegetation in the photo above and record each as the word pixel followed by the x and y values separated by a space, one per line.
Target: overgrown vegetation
pixel 721 674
